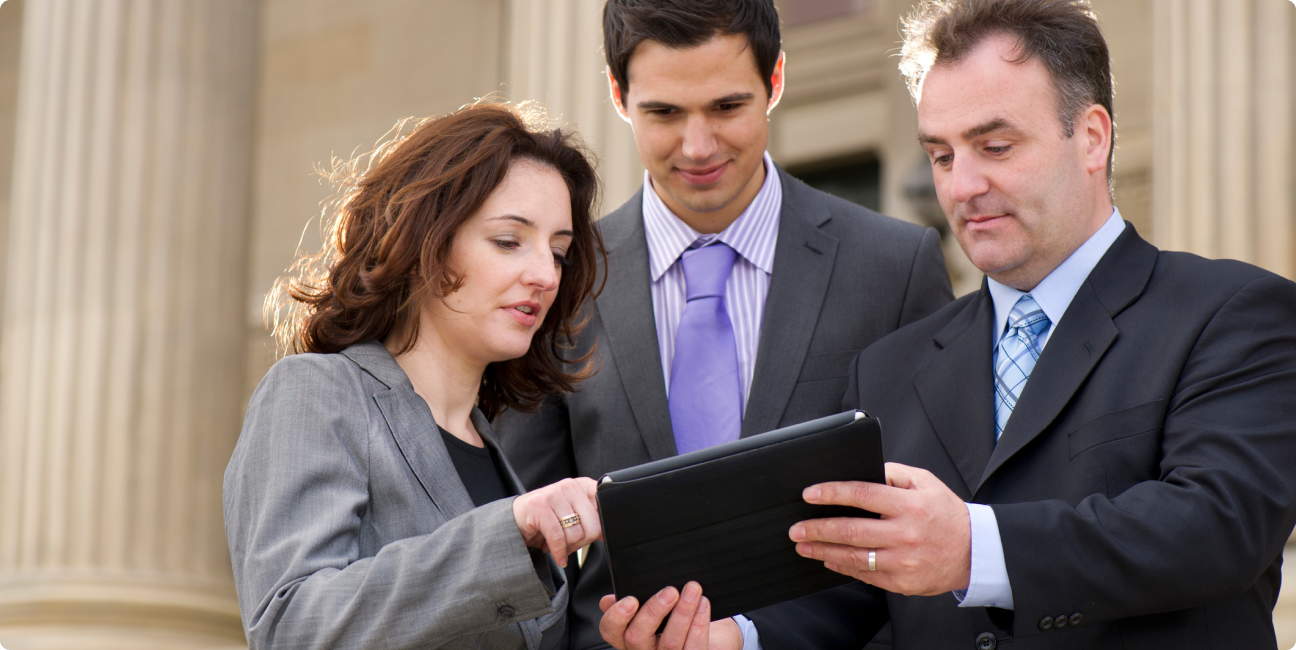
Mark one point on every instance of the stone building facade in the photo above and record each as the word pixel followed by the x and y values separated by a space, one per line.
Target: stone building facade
pixel 157 173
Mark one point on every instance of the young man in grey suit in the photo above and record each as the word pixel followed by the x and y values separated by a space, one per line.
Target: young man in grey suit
pixel 1106 432
pixel 736 295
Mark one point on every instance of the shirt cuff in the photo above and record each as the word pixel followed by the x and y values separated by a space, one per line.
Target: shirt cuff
pixel 988 584
pixel 751 640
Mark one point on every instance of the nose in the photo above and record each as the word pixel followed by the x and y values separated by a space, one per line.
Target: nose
pixel 541 271
pixel 699 138
pixel 966 180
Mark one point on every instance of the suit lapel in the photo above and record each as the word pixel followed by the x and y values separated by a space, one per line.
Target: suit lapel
pixel 803 264
pixel 1081 339
pixel 955 389
pixel 625 308
pixel 415 432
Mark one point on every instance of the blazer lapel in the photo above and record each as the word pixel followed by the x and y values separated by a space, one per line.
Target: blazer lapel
pixel 625 308
pixel 803 264
pixel 415 432
pixel 956 390
pixel 1081 339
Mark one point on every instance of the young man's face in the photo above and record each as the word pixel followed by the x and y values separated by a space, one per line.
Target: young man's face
pixel 699 120
pixel 1019 195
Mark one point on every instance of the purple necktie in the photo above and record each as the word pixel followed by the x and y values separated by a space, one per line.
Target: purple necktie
pixel 705 393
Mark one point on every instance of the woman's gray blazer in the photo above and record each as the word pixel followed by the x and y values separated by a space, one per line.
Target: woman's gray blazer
pixel 348 525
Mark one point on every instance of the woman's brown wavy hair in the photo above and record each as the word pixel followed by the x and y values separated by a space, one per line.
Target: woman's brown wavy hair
pixel 388 238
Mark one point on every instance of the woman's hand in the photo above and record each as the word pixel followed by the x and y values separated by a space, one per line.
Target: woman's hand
pixel 538 514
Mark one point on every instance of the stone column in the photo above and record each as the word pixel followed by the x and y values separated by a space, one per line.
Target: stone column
pixel 1225 129
pixel 120 367
pixel 555 56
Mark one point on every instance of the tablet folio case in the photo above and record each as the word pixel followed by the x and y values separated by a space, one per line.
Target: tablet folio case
pixel 721 516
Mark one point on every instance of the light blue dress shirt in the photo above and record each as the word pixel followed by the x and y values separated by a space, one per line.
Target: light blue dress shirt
pixel 989 586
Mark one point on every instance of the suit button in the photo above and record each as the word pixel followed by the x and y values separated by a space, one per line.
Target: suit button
pixel 986 641
pixel 1076 618
pixel 1060 621
pixel 1046 623
pixel 507 611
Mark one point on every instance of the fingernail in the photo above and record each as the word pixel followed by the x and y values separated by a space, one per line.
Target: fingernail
pixel 797 533
pixel 830 566
pixel 691 591
pixel 811 494
pixel 666 596
pixel 627 605
pixel 803 550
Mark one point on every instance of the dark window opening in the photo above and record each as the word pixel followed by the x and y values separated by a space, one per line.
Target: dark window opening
pixel 856 178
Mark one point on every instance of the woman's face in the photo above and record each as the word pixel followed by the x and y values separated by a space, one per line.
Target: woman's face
pixel 509 254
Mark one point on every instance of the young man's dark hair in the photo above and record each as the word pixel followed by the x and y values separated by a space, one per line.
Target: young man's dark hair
pixel 688 23
pixel 1062 34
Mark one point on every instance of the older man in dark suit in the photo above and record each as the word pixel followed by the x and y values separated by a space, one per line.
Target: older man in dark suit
pixel 736 295
pixel 1106 432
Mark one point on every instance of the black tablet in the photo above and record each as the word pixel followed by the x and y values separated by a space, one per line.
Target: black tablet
pixel 721 515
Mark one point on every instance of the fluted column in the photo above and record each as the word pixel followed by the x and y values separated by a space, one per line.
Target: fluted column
pixel 556 57
pixel 1225 129
pixel 120 367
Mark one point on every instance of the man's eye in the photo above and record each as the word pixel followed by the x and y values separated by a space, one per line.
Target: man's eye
pixel 943 160
pixel 728 108
pixel 995 151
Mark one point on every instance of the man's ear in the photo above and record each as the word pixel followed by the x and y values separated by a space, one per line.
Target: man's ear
pixel 776 82
pixel 1095 127
pixel 614 89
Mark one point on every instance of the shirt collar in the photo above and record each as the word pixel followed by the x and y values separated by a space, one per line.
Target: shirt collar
pixel 751 234
pixel 1055 291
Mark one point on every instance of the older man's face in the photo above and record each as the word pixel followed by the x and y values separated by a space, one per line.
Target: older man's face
pixel 1018 194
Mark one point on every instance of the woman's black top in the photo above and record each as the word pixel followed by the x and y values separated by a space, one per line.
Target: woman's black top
pixel 479 469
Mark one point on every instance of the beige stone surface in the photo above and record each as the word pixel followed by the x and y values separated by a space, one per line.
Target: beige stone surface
pixel 10 42
pixel 333 77
pixel 120 364
pixel 1285 612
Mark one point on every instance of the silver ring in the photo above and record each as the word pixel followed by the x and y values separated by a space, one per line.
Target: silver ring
pixel 569 520
pixel 872 560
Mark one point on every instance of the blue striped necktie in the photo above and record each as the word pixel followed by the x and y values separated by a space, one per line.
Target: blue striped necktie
pixel 1015 357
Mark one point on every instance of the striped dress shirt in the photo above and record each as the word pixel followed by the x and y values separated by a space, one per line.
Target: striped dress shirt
pixel 752 235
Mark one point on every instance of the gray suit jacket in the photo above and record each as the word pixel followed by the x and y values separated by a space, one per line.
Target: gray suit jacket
pixel 348 525
pixel 843 277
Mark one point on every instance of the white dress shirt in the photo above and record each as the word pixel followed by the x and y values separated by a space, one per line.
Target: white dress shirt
pixel 989 586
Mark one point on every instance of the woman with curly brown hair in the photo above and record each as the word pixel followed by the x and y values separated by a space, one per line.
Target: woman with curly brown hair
pixel 366 503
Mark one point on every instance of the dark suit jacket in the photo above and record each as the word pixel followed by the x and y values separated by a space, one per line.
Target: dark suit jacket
pixel 843 277
pixel 1143 486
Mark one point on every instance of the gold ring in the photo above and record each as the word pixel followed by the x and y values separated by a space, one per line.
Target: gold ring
pixel 569 520
pixel 872 560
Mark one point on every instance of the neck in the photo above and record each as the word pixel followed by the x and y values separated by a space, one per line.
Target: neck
pixel 714 221
pixel 447 381
pixel 1028 276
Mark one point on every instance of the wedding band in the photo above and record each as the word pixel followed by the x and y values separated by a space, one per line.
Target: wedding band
pixel 872 560
pixel 569 520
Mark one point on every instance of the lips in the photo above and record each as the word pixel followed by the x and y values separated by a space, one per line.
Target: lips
pixel 984 221
pixel 703 176
pixel 524 312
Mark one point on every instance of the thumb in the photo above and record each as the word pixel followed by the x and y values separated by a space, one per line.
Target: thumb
pixel 903 476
